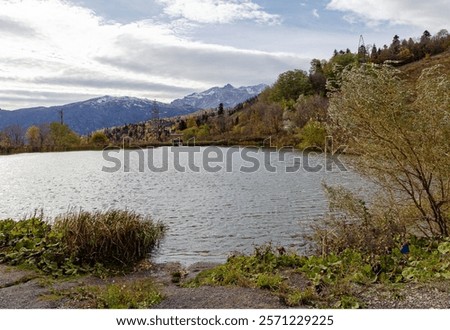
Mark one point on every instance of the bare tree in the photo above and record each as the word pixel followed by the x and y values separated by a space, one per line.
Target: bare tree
pixel 16 135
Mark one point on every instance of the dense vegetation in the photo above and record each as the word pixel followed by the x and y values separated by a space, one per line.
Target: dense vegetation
pixel 47 137
pixel 79 242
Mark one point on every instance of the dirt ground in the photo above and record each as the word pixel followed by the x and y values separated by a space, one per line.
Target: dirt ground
pixel 25 289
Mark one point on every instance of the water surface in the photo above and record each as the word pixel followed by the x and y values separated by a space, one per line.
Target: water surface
pixel 209 214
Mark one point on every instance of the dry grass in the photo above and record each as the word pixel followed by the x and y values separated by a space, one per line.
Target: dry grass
pixel 114 237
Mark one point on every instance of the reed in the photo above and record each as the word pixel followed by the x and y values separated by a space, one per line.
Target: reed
pixel 113 237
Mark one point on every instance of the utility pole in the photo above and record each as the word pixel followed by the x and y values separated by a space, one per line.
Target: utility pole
pixel 157 126
pixel 61 114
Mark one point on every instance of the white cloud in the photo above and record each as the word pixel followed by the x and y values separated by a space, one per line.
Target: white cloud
pixel 315 13
pixel 424 14
pixel 53 51
pixel 218 11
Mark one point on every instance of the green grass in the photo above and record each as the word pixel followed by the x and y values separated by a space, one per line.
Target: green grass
pixel 139 294
pixel 333 280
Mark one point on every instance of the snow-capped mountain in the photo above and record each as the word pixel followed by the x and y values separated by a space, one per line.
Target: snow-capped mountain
pixel 107 111
pixel 88 116
pixel 211 98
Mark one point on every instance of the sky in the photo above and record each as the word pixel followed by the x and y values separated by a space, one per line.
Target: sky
pixel 54 52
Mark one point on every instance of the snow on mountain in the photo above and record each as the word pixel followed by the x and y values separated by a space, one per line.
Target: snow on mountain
pixel 228 95
pixel 108 111
pixel 88 116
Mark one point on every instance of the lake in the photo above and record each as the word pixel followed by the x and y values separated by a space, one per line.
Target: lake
pixel 237 199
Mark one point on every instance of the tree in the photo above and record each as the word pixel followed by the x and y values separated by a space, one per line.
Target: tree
pixel 182 125
pixel 374 54
pixel 395 47
pixel 317 77
pixel 15 135
pixel 273 118
pixel 220 110
pixel 310 107
pixel 33 136
pixel 62 137
pixel 290 85
pixel 4 142
pixel 402 139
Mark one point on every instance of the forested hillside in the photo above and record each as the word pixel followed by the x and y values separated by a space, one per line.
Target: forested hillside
pixel 294 110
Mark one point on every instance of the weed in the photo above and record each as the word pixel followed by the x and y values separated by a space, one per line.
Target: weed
pixel 140 294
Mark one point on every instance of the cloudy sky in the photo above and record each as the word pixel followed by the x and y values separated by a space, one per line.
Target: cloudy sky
pixel 60 51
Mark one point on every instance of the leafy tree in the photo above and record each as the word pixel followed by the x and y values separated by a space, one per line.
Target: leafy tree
pixel 374 54
pixel 290 85
pixel 33 136
pixel 203 131
pixel 62 137
pixel 336 65
pixel 402 138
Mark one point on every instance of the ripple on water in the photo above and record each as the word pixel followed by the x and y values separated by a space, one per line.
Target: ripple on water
pixel 208 215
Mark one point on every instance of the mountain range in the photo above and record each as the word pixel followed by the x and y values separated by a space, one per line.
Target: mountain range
pixel 107 111
pixel 228 95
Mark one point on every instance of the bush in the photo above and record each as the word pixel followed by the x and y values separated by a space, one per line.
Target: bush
pixel 351 224
pixel 313 135
pixel 99 139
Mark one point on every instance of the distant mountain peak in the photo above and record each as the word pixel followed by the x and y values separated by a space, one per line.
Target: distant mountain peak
pixel 109 111
pixel 228 95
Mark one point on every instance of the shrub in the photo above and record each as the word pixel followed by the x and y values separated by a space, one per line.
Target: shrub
pixel 352 224
pixel 402 139
pixel 313 135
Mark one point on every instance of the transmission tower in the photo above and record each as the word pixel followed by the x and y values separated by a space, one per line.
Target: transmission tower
pixel 362 50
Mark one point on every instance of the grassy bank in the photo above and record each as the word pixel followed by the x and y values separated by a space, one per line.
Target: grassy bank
pixel 332 280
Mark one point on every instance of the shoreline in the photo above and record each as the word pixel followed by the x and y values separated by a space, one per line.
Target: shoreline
pixel 22 289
